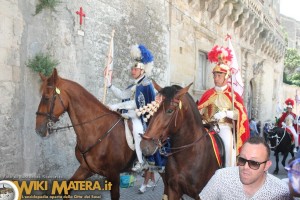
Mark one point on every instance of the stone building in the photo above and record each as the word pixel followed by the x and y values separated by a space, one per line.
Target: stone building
pixel 179 33
pixel 196 26
pixel 291 28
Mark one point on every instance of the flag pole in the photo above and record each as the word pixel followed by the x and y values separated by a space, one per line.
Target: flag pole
pixel 233 124
pixel 296 101
pixel 228 37
pixel 108 61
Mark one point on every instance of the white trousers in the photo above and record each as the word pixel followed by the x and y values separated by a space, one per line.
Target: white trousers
pixel 292 129
pixel 227 137
pixel 137 130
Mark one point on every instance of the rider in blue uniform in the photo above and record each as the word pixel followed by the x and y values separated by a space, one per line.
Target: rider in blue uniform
pixel 137 95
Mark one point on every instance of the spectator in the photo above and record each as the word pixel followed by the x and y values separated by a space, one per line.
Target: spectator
pixel 250 179
pixel 253 128
pixel 258 127
pixel 149 181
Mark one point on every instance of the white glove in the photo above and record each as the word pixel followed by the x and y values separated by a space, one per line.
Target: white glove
pixel 113 107
pixel 283 125
pixel 220 115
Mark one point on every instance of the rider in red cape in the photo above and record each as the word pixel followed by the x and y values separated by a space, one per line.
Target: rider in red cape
pixel 242 128
pixel 216 105
pixel 288 120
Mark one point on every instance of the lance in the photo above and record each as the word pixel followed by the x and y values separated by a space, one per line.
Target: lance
pixel 109 61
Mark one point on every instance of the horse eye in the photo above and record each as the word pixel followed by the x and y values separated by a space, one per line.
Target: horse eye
pixel 169 111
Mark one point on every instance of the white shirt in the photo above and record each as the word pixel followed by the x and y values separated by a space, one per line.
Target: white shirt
pixel 226 185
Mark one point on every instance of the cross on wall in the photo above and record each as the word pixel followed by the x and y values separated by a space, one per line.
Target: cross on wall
pixel 81 15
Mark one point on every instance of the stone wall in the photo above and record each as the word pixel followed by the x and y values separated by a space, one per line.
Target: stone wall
pixel 82 59
pixel 176 31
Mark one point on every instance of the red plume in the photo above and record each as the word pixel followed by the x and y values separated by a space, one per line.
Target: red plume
pixel 220 55
pixel 289 101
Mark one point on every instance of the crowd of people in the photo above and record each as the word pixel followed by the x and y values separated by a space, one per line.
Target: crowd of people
pixel 247 155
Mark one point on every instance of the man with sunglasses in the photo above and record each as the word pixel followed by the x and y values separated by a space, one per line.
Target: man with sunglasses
pixel 250 179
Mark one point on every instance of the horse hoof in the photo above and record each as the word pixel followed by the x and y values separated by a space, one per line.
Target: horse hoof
pixel 275 172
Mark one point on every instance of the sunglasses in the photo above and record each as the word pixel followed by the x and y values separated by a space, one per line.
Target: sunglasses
pixel 294 174
pixel 251 163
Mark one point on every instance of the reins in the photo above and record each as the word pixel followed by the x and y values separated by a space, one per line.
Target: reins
pixel 181 148
pixel 276 136
pixel 101 138
pixel 177 149
pixel 82 123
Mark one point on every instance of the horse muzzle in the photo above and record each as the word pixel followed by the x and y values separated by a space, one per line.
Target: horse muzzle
pixel 43 130
pixel 148 147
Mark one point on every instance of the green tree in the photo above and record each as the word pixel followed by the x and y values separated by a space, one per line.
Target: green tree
pixel 291 60
pixel 295 78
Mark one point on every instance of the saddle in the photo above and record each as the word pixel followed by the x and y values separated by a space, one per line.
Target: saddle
pixel 217 143
pixel 128 134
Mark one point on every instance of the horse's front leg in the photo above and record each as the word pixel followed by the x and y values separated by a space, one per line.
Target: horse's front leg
pixel 277 160
pixel 174 192
pixel 292 151
pixel 80 175
pixel 285 155
pixel 114 178
pixel 165 195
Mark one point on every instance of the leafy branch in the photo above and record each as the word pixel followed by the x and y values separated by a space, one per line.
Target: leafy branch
pixel 50 4
pixel 42 63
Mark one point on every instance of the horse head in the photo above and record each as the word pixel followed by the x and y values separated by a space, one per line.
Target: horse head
pixel 275 135
pixel 53 104
pixel 167 119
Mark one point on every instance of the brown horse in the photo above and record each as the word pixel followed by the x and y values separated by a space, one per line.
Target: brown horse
pixel 101 143
pixel 191 162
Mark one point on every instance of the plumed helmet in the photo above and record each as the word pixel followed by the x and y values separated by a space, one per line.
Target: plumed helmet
pixel 222 56
pixel 289 103
pixel 143 57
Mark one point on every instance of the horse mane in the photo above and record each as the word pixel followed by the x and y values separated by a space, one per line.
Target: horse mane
pixel 75 87
pixel 170 91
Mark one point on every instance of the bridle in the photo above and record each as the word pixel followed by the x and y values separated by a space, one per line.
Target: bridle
pixel 50 116
pixel 52 119
pixel 177 104
pixel 277 139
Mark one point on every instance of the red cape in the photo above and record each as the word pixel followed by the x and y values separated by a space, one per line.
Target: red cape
pixel 282 118
pixel 242 123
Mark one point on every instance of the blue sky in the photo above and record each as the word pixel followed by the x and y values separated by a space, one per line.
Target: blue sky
pixel 290 8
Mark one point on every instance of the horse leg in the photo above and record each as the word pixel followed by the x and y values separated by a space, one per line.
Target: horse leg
pixel 292 151
pixel 285 155
pixel 80 174
pixel 165 195
pixel 277 160
pixel 114 178
pixel 173 194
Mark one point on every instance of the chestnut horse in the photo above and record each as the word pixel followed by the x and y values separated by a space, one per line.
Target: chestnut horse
pixel 191 162
pixel 101 142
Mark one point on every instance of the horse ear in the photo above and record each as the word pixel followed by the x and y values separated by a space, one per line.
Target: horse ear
pixel 183 91
pixel 156 86
pixel 54 76
pixel 54 73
